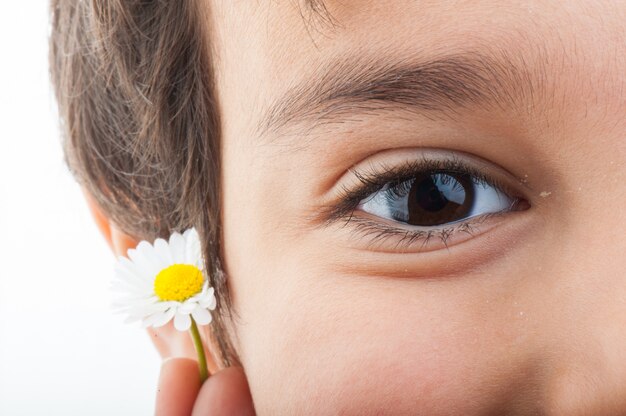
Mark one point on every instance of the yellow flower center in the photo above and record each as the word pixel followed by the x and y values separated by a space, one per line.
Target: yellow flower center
pixel 178 282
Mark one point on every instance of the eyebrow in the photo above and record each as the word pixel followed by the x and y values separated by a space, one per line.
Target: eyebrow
pixel 441 85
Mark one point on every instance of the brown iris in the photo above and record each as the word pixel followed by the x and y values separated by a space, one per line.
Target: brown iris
pixel 439 198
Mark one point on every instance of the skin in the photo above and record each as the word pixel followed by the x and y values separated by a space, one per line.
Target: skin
pixel 526 316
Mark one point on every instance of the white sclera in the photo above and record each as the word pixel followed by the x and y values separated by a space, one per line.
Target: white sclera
pixel 384 204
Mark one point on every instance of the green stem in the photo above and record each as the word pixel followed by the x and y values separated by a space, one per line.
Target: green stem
pixel 197 342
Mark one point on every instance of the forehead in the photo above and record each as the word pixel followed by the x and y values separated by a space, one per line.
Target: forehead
pixel 264 49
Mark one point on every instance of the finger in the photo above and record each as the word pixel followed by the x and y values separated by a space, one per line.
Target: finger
pixel 225 393
pixel 179 383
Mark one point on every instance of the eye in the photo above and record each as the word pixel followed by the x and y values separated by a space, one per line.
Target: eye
pixel 392 201
pixel 436 198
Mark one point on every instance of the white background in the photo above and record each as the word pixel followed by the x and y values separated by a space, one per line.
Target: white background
pixel 62 352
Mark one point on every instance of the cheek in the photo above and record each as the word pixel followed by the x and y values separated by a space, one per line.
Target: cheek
pixel 360 345
pixel 317 341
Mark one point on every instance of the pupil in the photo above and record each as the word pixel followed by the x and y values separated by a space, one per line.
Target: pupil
pixel 439 198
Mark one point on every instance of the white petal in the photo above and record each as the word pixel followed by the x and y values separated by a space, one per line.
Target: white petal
pixel 150 309
pixel 211 304
pixel 190 233
pixel 122 306
pixel 144 249
pixel 134 301
pixel 201 316
pixel 131 270
pixel 182 322
pixel 187 307
pixel 208 301
pixel 146 260
pixel 193 250
pixel 162 251
pixel 131 319
pixel 131 284
pixel 151 319
pixel 128 299
pixel 135 304
pixel 149 269
pixel 164 318
pixel 177 248
pixel 125 288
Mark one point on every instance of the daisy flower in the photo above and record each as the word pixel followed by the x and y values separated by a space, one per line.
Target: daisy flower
pixel 164 281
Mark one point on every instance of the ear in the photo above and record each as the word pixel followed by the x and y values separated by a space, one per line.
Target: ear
pixel 168 341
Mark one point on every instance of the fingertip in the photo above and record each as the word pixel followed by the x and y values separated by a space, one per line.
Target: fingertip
pixel 178 386
pixel 225 393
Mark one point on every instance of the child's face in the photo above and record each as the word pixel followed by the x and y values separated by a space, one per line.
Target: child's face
pixel 370 308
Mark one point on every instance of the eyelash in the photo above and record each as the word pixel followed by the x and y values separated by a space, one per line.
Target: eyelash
pixel 374 178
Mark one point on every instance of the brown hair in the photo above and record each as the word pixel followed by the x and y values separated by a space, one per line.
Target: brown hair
pixel 137 103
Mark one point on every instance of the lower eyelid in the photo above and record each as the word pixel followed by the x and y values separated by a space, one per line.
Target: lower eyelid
pixel 381 237
pixel 497 238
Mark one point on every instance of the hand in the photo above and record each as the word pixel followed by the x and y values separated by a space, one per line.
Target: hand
pixel 180 394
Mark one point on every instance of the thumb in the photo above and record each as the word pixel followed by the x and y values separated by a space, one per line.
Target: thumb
pixel 225 393
pixel 179 383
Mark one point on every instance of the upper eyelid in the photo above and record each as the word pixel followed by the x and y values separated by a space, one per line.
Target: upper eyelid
pixel 408 169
